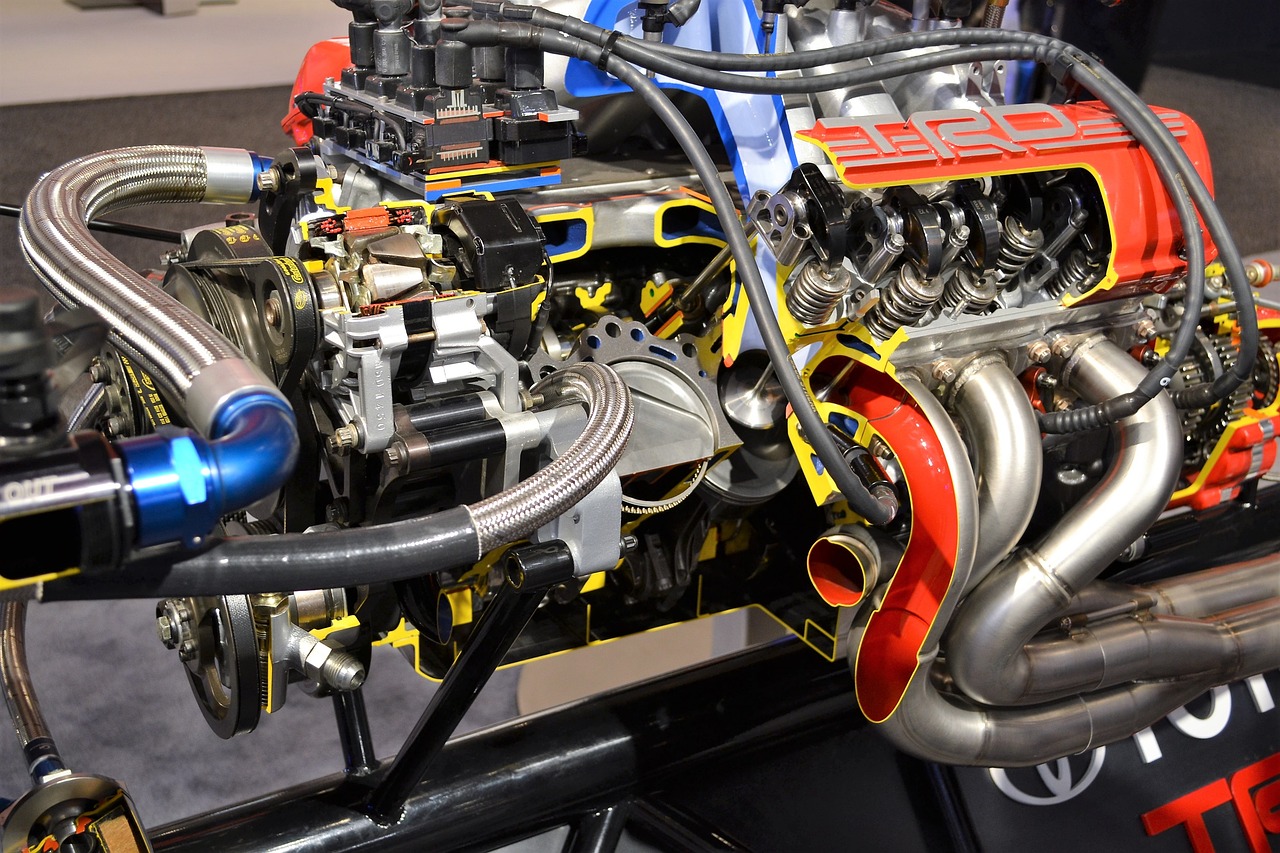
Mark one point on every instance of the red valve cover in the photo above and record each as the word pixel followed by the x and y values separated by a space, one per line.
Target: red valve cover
pixel 941 145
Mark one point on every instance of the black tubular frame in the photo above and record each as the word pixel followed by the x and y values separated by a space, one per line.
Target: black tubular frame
pixel 496 630
pixel 555 768
pixel 607 762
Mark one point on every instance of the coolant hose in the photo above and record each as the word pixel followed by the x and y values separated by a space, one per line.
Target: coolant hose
pixel 403 549
pixel 142 320
pixel 180 482
pixel 528 505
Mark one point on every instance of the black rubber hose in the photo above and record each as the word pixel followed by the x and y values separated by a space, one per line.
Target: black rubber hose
pixel 878 509
pixel 1169 157
pixel 110 226
pixel 1158 146
pixel 490 32
pixel 1090 417
pixel 627 47
pixel 1104 85
pixel 399 550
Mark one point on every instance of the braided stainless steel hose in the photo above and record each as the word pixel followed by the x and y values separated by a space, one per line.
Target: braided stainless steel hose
pixel 548 494
pixel 143 321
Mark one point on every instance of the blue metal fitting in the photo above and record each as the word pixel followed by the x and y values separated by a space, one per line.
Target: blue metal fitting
pixel 231 174
pixel 256 447
pixel 182 483
pixel 261 163
pixel 170 475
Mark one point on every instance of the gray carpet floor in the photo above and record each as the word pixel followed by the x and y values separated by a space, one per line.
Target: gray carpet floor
pixel 117 700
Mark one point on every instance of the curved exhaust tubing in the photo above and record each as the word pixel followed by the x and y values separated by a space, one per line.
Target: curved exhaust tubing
pixel 987 645
pixel 1082 685
pixel 1001 432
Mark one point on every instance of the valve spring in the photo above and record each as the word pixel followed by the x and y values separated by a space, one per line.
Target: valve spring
pixel 903 302
pixel 816 292
pixel 1018 245
pixel 1078 273
pixel 967 292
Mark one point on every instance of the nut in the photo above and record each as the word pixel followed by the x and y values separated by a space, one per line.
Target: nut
pixel 271 311
pixel 1038 352
pixel 943 371
pixel 165 631
pixel 173 626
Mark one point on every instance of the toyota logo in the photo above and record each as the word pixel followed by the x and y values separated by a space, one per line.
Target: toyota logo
pixel 1057 780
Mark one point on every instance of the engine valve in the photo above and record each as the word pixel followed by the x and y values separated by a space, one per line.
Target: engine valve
pixel 816 293
pixel 1017 248
pixel 903 302
pixel 966 292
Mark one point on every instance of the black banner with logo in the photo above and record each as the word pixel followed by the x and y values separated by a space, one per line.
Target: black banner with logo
pixel 1204 779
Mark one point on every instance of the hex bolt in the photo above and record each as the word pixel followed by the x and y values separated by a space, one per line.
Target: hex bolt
pixel 1038 352
pixel 1145 330
pixel 173 625
pixel 943 371
pixel 1063 348
pixel 1062 405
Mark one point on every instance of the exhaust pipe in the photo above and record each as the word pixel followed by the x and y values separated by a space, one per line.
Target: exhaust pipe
pixel 987 643
pixel 1194 595
pixel 847 562
pixel 949 727
pixel 1004 439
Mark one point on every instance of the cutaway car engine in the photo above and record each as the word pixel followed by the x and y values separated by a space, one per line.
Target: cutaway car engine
pixel 902 364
